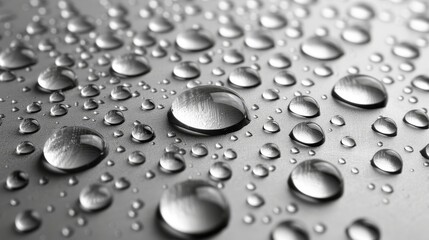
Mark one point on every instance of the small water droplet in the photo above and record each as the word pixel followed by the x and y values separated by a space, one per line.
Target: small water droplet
pixel 27 221
pixel 308 133
pixel 95 197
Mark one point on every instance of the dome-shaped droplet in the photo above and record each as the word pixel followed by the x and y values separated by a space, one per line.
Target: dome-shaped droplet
pixel 308 133
pixel 74 148
pixel 279 61
pixel 388 161
pixel 148 105
pixel 348 142
pixel 199 150
pixel 27 221
pixel 64 60
pixel 114 117
pixel 385 126
pixel 143 39
pixel 425 151
pixel 208 110
pixel 289 230
pixel 34 107
pixel 272 20
pixel 258 41
pixel 421 82
pixel 160 25
pixel 271 126
pixel 16 180
pixel 95 197
pixel 419 24
pixel 321 48
pixel 194 208
pixel 108 41
pixel 405 50
pixel 284 78
pixel 220 171
pixel 323 71
pixel 120 93
pixel 28 126
pixel 270 95
pixel 130 65
pixel 230 30
pixel 355 35
pixel 142 133
pixel 56 78
pixel 172 162
pixel 25 147
pixel 316 180
pixel 270 151
pixel 361 11
pixel 56 97
pixel 79 25
pixel 360 91
pixel 244 77
pixel 363 229
pixel 58 110
pixel 6 76
pixel 233 57
pixel 186 70
pixel 304 106
pixel 136 158
pixel 192 40
pixel 90 90
pixel 417 118
pixel 255 200
pixel 17 57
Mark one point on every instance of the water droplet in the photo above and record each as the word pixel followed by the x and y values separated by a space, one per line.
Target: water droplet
pixel 58 110
pixel 194 208
pixel 317 180
pixel 338 120
pixel 199 150
pixel 360 91
pixel 208 110
pixel 271 126
pixel 56 78
pixel 308 133
pixel 220 171
pixel 321 48
pixel 255 200
pixel 270 151
pixel 27 221
pixel 186 70
pixel 421 82
pixel 130 65
pixel 289 230
pixel 304 106
pixel 284 78
pixel 114 117
pixel 74 148
pixel 417 118
pixel 361 11
pixel 95 197
pixel 16 180
pixel 279 61
pixel 385 126
pixel 142 133
pixel 28 126
pixel 355 35
pixel 17 57
pixel 136 158
pixel 258 41
pixel 120 93
pixel 233 57
pixel 405 50
pixel 348 142
pixel 388 161
pixel 230 30
pixel 272 21
pixel 160 25
pixel 363 229
pixel 244 77
pixel 108 42
pixel 192 40
pixel 419 24
pixel 79 25
pixel 172 162
pixel 25 148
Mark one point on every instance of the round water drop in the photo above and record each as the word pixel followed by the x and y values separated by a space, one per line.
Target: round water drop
pixel 199 150
pixel 316 180
pixel 363 229
pixel 279 61
pixel 323 71
pixel 208 110
pixel 272 20
pixel 220 171
pixel 417 118
pixel 142 133
pixel 58 110
pixel 130 65
pixel 16 180
pixel 388 161
pixel 321 48
pixel 425 152
pixel 405 50
pixel 230 30
pixel 114 117
pixel 348 142
pixel 360 91
pixel 385 126
pixel 308 133
pixel 244 77
pixel 186 70
pixel 143 39
pixel 28 126
pixel 108 42
pixel 421 82
pixel 255 200
pixel 27 221
pixel 136 158
pixel 56 78
pixel 120 93
pixel 192 40
pixel 160 25
pixel 289 230
pixel 270 151
pixel 361 11
pixel 95 197
pixel 74 148
pixel 25 148
pixel 284 78
pixel 304 106
pixel 172 162
pixel 355 35
pixel 193 208
pixel 64 60
pixel 79 25
pixel 258 41
pixel 419 24
pixel 6 76
pixel 270 95
pixel 17 57
pixel 271 126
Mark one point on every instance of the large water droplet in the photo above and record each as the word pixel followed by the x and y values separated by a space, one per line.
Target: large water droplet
pixel 388 161
pixel 193 208
pixel 289 230
pixel 304 106
pixel 74 148
pixel 17 57
pixel 130 65
pixel 244 77
pixel 308 133
pixel 385 126
pixel 208 110
pixel 95 197
pixel 363 229
pixel 321 48
pixel 56 78
pixel 194 40
pixel 417 118
pixel 419 24
pixel 27 221
pixel 360 91
pixel 316 179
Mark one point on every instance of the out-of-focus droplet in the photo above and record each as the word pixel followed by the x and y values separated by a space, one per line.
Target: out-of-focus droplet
pixel 17 57
pixel 421 82
pixel 290 230
pixel 304 106
pixel 321 48
pixel 244 77
pixel 130 65
pixel 258 41
pixel 16 180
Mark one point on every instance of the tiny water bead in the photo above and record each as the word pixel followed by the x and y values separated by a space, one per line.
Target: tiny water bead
pixel 387 161
pixel 193 208
pixel 363 229
pixel 27 221
pixel 74 148
pixel 290 230
pixel 308 133
pixel 361 91
pixel 244 77
pixel 130 65
pixel 95 197
pixel 316 180
pixel 208 110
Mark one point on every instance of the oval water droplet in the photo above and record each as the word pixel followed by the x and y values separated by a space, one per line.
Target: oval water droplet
pixel 142 133
pixel 186 70
pixel 192 40
pixel 355 35
pixel 406 50
pixel 417 118
pixel 308 133
pixel 17 57
pixel 419 24
pixel 321 48
pixel 114 117
pixel 95 197
pixel 270 151
pixel 172 162
pixel 244 77
pixel 208 110
pixel 56 78
pixel 388 161
pixel 385 126
pixel 348 142
pixel 16 180
pixel 28 126
pixel 27 221
pixel 284 78
pixel 421 82
pixel 304 106
pixel 130 65
pixel 289 230
pixel 258 41
pixel 120 93
pixel 220 171
pixel 272 20
pixel 363 229
pixel 108 41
